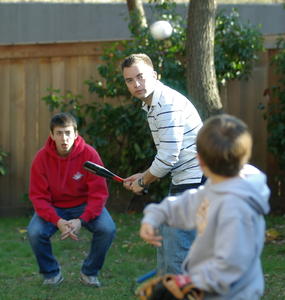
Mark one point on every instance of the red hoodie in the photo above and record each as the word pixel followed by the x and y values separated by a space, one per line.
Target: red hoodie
pixel 63 182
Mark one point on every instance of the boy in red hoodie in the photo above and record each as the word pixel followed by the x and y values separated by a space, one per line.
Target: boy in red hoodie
pixel 66 197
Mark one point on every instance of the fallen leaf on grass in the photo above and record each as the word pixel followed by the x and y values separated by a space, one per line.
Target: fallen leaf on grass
pixel 272 235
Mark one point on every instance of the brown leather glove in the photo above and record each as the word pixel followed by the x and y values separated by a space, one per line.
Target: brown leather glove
pixel 169 287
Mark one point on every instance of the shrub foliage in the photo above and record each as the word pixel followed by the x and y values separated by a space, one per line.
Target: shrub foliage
pixel 276 109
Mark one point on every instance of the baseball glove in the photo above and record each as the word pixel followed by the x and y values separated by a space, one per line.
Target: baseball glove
pixel 169 287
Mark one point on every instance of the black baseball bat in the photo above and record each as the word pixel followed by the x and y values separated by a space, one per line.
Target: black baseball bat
pixel 101 171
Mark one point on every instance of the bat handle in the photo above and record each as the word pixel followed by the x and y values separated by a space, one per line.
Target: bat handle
pixel 118 178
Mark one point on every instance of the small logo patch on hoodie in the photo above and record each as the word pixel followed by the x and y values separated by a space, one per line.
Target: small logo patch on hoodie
pixel 77 176
pixel 202 216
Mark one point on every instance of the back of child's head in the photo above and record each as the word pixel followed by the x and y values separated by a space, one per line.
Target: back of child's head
pixel 224 144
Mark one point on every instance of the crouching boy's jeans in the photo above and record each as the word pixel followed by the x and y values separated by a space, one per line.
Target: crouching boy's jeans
pixel 40 232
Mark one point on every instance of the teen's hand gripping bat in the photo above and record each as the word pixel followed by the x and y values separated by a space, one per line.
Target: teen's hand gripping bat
pixel 103 172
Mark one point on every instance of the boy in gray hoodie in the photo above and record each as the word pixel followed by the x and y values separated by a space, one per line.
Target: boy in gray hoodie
pixel 228 213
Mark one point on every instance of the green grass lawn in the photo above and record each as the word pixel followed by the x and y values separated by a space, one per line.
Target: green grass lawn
pixel 128 258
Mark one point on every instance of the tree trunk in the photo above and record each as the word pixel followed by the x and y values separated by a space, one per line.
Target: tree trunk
pixel 137 15
pixel 201 74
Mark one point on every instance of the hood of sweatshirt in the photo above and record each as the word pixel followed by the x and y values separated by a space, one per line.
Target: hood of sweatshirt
pixel 250 186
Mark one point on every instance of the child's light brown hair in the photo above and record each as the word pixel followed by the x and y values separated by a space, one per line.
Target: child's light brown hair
pixel 224 144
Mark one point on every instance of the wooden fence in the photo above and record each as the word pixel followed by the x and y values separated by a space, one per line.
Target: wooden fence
pixel 26 71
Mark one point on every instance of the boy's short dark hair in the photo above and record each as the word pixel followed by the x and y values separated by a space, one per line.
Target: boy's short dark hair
pixel 135 58
pixel 224 144
pixel 63 120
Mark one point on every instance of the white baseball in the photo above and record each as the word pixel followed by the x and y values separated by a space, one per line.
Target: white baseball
pixel 161 30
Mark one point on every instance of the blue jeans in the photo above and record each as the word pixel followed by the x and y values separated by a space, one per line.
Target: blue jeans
pixel 40 232
pixel 176 242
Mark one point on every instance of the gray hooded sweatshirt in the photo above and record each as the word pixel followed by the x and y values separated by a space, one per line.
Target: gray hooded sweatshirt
pixel 224 259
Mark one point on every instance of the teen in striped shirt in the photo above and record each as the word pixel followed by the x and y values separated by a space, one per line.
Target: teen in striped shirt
pixel 174 123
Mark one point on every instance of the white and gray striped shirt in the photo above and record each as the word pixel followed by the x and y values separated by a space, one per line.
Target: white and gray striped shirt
pixel 174 123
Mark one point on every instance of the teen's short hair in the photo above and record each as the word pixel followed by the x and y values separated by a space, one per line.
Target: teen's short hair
pixel 224 144
pixel 62 120
pixel 135 58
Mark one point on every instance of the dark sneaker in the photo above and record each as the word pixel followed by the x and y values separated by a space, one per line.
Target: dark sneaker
pixel 56 280
pixel 90 280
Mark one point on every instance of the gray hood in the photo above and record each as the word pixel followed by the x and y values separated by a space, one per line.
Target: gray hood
pixel 249 186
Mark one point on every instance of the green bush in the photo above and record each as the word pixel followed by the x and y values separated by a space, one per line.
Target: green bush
pixel 275 114
pixel 236 47
pixel 120 133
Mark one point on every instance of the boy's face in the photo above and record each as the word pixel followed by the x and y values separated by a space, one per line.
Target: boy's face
pixel 140 79
pixel 64 138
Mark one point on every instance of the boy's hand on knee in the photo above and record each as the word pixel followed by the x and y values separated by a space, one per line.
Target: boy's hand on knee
pixel 148 233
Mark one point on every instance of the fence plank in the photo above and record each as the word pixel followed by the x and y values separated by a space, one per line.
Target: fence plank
pixel 32 113
pixel 52 50
pixel 5 131
pixel 18 136
pixel 45 82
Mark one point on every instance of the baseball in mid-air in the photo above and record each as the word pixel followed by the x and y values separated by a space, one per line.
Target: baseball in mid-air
pixel 161 30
